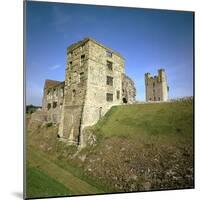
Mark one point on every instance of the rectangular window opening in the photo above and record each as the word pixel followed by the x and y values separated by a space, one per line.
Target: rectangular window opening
pixel 81 76
pixel 109 65
pixel 54 104
pixel 109 97
pixel 82 59
pixel 48 106
pixel 109 80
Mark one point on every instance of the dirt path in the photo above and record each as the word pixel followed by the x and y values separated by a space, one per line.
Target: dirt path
pixel 75 185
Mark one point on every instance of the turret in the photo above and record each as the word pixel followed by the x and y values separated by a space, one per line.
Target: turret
pixel 147 76
pixel 161 75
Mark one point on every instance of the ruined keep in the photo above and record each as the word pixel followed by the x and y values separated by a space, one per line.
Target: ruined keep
pixel 156 87
pixel 95 81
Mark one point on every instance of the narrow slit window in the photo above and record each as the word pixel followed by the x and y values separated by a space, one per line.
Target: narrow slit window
pixel 118 94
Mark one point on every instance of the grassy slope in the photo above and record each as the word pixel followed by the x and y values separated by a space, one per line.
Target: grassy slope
pixel 140 147
pixel 152 143
pixel 167 120
pixel 75 185
pixel 45 153
pixel 41 185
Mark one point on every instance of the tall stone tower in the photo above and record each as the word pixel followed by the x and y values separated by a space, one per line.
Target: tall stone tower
pixel 156 87
pixel 93 84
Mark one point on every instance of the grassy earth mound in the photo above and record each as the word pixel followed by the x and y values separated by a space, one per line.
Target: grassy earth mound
pixel 139 147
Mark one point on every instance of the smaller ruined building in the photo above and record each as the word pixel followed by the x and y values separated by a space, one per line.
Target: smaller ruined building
pixel 95 81
pixel 53 97
pixel 156 87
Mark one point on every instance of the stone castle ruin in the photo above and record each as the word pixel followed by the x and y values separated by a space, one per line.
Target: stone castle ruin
pixel 156 87
pixel 53 98
pixel 95 81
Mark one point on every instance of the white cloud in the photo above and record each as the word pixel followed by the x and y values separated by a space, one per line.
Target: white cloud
pixel 54 67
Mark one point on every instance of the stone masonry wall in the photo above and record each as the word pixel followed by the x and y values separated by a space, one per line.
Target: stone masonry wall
pixel 75 90
pixel 93 84
pixel 156 87
pixel 128 90
pixel 53 100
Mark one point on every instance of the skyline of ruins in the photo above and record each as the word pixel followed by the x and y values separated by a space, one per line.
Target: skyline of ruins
pixel 147 39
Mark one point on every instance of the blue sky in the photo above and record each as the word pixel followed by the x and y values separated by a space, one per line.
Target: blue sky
pixel 147 39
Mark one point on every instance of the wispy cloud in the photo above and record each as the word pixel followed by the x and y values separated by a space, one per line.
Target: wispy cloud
pixel 54 67
pixel 60 19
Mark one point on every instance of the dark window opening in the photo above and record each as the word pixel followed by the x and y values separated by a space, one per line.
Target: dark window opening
pixel 158 98
pixel 149 99
pixel 109 54
pixel 110 65
pixel 154 98
pixel 73 94
pixel 70 65
pixel 48 92
pixel 48 106
pixel 118 94
pixel 81 76
pixel 82 59
pixel 54 104
pixel 109 80
pixel 153 84
pixel 124 100
pixel 55 91
pixel 109 97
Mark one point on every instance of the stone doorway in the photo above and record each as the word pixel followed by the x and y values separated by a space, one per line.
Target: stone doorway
pixel 124 100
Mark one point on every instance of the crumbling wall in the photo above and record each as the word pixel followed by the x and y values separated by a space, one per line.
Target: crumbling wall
pixel 128 90
pixel 53 100
pixel 75 91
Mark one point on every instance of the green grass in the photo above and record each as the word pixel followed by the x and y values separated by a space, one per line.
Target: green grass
pixel 39 184
pixel 44 162
pixel 78 172
pixel 155 141
pixel 164 119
